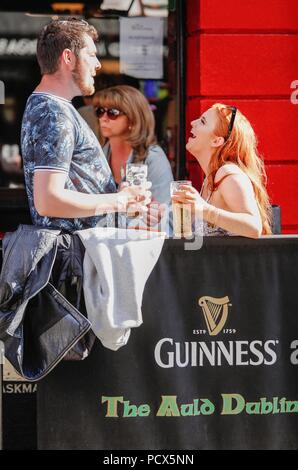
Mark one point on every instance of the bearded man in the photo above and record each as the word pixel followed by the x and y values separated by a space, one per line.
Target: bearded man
pixel 68 180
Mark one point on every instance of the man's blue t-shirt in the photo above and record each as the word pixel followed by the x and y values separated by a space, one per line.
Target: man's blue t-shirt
pixel 55 137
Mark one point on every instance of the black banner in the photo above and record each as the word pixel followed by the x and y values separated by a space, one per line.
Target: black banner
pixel 214 365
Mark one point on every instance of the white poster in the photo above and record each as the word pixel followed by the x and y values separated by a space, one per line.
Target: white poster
pixel 141 47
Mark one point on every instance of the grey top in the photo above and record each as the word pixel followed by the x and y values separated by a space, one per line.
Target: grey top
pixel 55 137
pixel 159 171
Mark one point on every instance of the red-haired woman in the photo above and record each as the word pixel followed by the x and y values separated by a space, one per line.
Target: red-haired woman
pixel 233 198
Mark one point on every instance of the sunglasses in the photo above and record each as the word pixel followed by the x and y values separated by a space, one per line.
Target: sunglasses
pixel 226 111
pixel 112 113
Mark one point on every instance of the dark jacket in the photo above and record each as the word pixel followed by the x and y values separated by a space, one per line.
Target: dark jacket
pixel 40 297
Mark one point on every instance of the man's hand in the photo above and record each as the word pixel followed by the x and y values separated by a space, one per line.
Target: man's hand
pixel 154 214
pixel 134 198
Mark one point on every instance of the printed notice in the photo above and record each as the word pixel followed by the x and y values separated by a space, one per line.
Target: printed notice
pixel 141 47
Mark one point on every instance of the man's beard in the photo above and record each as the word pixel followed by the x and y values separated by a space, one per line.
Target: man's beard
pixel 86 89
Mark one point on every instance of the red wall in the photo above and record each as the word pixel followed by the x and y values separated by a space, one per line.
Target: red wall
pixel 246 53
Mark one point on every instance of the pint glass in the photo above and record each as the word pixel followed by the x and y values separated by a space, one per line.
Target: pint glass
pixel 181 213
pixel 136 174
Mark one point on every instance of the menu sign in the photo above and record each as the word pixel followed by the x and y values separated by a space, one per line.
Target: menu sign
pixel 141 47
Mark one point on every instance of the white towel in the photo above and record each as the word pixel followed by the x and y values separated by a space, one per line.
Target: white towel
pixel 117 264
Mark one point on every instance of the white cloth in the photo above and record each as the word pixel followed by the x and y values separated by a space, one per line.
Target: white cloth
pixel 117 264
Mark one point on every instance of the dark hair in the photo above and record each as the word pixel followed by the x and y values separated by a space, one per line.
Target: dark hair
pixel 59 35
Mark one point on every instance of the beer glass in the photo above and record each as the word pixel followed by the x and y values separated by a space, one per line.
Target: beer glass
pixel 181 213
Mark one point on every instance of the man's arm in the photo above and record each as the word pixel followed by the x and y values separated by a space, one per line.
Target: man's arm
pixel 51 199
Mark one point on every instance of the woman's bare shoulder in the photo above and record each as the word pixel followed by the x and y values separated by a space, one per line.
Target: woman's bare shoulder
pixel 233 181
pixel 229 169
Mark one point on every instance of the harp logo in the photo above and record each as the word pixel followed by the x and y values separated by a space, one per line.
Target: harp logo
pixel 215 312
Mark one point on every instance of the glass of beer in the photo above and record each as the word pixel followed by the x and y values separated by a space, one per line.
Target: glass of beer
pixel 181 213
pixel 136 174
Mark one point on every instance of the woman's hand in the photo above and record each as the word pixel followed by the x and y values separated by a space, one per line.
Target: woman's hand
pixel 189 195
pixel 134 198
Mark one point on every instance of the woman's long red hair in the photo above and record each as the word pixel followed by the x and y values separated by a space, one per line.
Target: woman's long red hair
pixel 241 149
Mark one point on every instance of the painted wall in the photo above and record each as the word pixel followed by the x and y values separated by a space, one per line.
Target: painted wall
pixel 245 52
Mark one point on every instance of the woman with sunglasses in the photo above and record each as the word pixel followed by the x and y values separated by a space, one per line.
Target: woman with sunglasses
pixel 127 123
pixel 233 199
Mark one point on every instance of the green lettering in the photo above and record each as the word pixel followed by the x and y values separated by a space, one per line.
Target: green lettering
pixel 144 410
pixel 253 408
pixel 112 407
pixel 187 410
pixel 207 407
pixel 227 399
pixel 168 406
pixel 275 405
pixel 129 411
pixel 197 411
pixel 282 403
pixel 292 406
pixel 266 406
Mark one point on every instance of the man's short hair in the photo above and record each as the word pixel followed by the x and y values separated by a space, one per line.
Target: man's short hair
pixel 59 35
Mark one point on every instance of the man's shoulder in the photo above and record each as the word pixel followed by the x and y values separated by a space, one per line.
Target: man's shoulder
pixel 48 104
pixel 42 111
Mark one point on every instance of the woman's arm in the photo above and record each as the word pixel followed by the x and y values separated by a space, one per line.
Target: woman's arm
pixel 241 217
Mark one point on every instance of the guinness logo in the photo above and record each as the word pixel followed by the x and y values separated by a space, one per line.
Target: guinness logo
pixel 215 312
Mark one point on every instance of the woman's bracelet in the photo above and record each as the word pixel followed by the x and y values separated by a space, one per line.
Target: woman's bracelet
pixel 212 215
pixel 216 218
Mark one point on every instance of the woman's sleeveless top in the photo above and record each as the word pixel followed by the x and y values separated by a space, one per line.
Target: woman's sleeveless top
pixel 210 230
